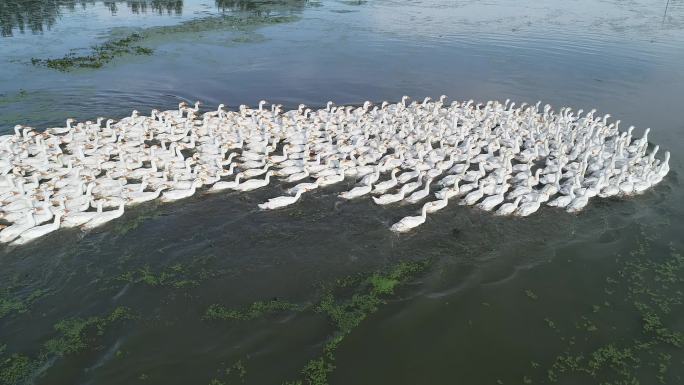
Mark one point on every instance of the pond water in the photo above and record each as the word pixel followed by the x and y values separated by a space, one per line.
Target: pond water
pixel 552 298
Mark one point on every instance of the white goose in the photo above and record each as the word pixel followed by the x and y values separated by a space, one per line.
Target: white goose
pixel 103 217
pixel 407 223
pixel 254 184
pixel 278 202
pixel 176 194
pixel 38 231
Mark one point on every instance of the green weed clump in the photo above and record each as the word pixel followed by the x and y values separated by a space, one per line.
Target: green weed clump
pixel 75 335
pixel 346 313
pixel 255 310
pixel 101 54
pixel 15 304
pixel 129 45
pixel 653 285
pixel 176 276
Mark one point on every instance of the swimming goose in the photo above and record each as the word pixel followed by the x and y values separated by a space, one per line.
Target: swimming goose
pixel 509 208
pixel 11 232
pixel 407 223
pixel 103 217
pixel 275 203
pixel 38 231
pixel 391 198
pixel 388 184
pixel 253 184
pixel 176 194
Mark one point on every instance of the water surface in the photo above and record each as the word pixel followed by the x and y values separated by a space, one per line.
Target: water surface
pixel 502 300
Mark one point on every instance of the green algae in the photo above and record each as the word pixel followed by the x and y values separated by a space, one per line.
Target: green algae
pixel 122 228
pixel 100 55
pixel 74 332
pixel 649 282
pixel 346 312
pixel 345 302
pixel 231 375
pixel 175 276
pixel 129 45
pixel 16 368
pixel 74 336
pixel 10 304
pixel 255 310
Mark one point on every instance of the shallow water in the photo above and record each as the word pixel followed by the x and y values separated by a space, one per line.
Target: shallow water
pixel 502 298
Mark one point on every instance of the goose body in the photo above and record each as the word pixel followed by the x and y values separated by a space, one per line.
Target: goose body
pixel 276 203
pixel 408 223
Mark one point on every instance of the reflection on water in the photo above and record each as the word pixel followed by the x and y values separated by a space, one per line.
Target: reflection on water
pixel 169 7
pixel 37 15
pixel 260 7
pixel 33 15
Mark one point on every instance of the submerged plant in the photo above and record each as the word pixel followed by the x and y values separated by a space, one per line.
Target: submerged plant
pixel 75 335
pixel 104 53
pixel 255 310
pixel 100 55
pixel 653 286
pixel 16 304
pixel 346 313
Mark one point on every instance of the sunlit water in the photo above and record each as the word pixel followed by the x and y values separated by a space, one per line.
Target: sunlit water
pixel 468 319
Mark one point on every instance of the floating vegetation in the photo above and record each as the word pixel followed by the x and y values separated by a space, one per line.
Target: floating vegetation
pixel 15 304
pixel 125 227
pixel 128 45
pixel 255 310
pixel 74 331
pixel 237 372
pixel 652 286
pixel 75 335
pixel 347 312
pixel 531 295
pixel 101 54
pixel 176 276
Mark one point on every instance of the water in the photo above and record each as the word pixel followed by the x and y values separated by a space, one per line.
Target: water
pixel 502 300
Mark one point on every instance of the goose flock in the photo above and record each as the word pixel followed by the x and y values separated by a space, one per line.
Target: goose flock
pixel 498 157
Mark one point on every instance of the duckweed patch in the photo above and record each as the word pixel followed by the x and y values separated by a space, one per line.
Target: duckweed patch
pixel 129 45
pixel 231 375
pixel 347 310
pixel 255 310
pixel 74 332
pixel 15 368
pixel 16 304
pixel 125 227
pixel 75 335
pixel 176 276
pixel 100 55
pixel 651 283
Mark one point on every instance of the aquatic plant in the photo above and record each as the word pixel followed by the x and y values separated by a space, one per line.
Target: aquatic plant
pixel 123 228
pixel 75 335
pixel 104 53
pixel 653 285
pixel 176 276
pixel 15 304
pixel 100 55
pixel 74 331
pixel 15 368
pixel 232 374
pixel 347 313
pixel 255 310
